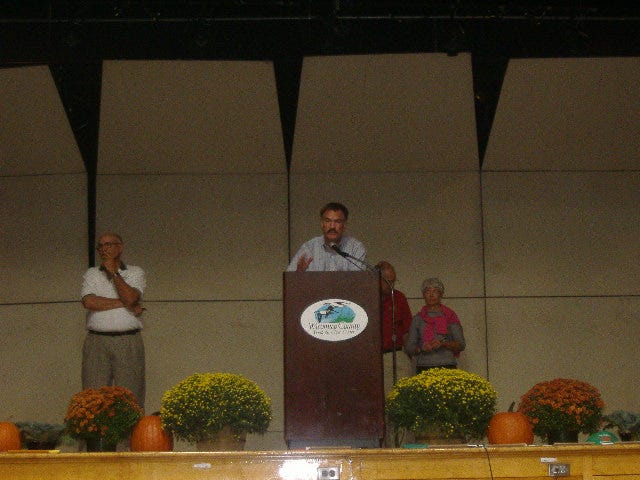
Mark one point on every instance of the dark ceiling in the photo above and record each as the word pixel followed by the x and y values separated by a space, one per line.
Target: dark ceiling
pixel 58 31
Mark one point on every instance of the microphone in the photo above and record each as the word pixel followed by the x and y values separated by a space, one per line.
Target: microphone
pixel 337 249
pixel 361 263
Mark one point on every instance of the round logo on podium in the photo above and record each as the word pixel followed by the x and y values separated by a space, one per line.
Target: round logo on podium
pixel 334 320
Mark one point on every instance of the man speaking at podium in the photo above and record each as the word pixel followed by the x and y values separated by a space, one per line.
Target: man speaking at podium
pixel 319 412
pixel 332 251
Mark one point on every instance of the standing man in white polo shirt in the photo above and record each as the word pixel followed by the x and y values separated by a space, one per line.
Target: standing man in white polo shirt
pixel 113 351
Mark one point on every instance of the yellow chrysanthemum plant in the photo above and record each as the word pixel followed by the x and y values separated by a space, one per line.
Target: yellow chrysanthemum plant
pixel 203 403
pixel 459 403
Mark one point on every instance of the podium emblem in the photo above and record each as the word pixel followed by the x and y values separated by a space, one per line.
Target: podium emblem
pixel 334 320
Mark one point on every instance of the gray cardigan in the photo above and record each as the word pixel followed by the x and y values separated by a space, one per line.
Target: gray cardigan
pixel 442 356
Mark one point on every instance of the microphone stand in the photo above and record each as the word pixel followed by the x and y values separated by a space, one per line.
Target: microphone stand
pixel 394 343
pixel 394 339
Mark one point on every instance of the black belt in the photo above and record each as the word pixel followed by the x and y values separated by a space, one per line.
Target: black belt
pixel 115 334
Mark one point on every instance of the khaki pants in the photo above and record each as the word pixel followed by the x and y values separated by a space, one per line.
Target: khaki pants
pixel 114 360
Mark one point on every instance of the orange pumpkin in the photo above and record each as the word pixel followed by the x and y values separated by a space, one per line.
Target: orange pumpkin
pixel 510 427
pixel 9 437
pixel 149 436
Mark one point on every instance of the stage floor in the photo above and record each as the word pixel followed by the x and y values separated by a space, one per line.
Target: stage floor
pixel 586 461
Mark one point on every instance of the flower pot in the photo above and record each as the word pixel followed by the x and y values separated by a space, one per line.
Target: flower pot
pixel 433 435
pixel 222 441
pixel 562 436
pixel 100 445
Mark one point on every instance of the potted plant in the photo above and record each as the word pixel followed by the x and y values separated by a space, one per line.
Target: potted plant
pixel 40 436
pixel 102 416
pixel 560 409
pixel 205 405
pixel 456 403
pixel 627 424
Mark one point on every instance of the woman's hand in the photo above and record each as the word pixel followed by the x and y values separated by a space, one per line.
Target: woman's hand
pixel 431 346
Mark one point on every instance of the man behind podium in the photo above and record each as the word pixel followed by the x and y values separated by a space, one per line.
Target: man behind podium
pixel 332 251
pixel 318 416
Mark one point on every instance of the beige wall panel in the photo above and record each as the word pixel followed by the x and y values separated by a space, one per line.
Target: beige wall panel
pixel 44 237
pixel 40 348
pixel 425 224
pixel 411 112
pixel 470 311
pixel 189 117
pixel 35 136
pixel 575 234
pixel 591 339
pixel 182 338
pixel 567 114
pixel 199 236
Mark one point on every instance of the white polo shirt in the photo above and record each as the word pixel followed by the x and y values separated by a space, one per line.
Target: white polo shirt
pixel 95 282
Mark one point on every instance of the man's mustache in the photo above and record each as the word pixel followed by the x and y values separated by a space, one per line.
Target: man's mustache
pixel 332 230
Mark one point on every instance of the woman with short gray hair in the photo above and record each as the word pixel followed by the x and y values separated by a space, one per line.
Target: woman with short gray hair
pixel 435 337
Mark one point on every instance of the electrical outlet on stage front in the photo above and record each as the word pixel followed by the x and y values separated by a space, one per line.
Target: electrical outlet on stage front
pixel 328 473
pixel 558 469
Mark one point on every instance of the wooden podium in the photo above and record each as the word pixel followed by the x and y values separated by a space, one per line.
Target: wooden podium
pixel 333 386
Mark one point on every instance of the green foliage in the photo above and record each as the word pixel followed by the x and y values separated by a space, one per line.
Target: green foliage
pixel 627 423
pixel 40 433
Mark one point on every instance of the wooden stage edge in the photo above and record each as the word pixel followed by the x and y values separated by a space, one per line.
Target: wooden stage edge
pixel 586 461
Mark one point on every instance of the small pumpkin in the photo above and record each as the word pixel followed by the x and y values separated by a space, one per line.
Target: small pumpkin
pixel 509 428
pixel 9 437
pixel 149 436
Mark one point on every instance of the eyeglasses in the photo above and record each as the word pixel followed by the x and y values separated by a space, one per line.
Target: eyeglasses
pixel 100 246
